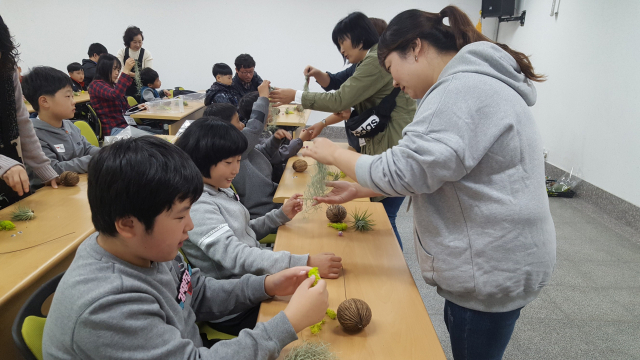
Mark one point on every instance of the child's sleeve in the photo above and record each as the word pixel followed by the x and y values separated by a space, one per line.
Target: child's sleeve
pixel 79 164
pixel 270 148
pixel 133 325
pixel 255 125
pixel 286 151
pixel 147 95
pixel 269 223
pixel 215 238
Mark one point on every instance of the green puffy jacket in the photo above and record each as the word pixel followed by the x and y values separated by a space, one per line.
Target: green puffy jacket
pixel 363 90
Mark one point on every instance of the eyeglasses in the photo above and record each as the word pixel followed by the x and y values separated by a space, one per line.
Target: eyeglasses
pixel 249 72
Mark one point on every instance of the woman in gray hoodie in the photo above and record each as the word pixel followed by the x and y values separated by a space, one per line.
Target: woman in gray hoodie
pixel 472 163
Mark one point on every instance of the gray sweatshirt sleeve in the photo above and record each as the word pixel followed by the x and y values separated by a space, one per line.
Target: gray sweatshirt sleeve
pixel 418 164
pixel 270 148
pixel 79 164
pixel 30 145
pixel 285 152
pixel 139 328
pixel 269 223
pixel 147 95
pixel 255 125
pixel 227 251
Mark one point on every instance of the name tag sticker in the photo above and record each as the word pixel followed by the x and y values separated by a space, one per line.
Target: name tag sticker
pixel 130 120
pixel 59 148
pixel 362 141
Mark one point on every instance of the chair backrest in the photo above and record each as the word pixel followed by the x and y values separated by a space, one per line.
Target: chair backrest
pixel 28 326
pixel 94 122
pixel 132 102
pixel 87 132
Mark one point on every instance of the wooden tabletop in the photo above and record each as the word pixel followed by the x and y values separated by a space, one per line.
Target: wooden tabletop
pixel 63 221
pixel 295 119
pixel 293 182
pixel 188 110
pixel 374 271
pixel 83 97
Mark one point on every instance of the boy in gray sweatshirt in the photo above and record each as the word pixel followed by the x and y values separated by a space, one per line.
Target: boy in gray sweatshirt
pixel 224 241
pixel 49 92
pixel 129 295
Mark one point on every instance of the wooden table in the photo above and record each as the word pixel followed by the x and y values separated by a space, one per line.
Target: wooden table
pixel 293 182
pixel 374 271
pixel 297 119
pixel 193 111
pixel 43 249
pixel 81 98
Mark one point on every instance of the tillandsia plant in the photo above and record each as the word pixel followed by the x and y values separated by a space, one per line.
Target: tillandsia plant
pixel 316 187
pixel 22 213
pixel 311 350
pixel 306 83
pixel 362 220
pixel 136 77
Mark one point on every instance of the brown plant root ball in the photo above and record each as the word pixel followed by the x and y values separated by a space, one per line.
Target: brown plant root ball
pixel 354 315
pixel 299 165
pixel 69 178
pixel 336 213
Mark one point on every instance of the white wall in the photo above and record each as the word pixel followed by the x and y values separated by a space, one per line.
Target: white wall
pixel 588 110
pixel 187 37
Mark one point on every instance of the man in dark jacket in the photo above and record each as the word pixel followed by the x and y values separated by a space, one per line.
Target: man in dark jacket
pixel 89 65
pixel 246 79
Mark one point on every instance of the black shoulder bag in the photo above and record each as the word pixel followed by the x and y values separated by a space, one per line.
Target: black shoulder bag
pixel 375 120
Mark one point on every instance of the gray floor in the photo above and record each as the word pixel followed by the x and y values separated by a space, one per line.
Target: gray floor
pixel 591 309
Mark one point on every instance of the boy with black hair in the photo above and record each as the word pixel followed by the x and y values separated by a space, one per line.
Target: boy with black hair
pixel 49 91
pixel 89 65
pixel 222 91
pixel 246 79
pixel 151 83
pixel 128 294
pixel 224 242
pixel 77 77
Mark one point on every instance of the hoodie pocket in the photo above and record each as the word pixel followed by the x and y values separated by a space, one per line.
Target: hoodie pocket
pixel 425 260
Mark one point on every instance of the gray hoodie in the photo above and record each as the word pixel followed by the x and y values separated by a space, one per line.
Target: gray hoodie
pixel 253 183
pixel 223 241
pixel 472 163
pixel 105 308
pixel 67 149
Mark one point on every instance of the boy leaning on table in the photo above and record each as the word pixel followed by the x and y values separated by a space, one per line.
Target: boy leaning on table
pixel 128 294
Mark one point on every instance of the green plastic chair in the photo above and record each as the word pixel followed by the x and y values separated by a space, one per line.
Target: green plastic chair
pixel 28 326
pixel 211 333
pixel 87 132
pixel 132 102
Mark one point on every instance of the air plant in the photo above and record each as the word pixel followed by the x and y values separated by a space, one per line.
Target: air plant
pixel 22 213
pixel 316 187
pixel 362 220
pixel 136 77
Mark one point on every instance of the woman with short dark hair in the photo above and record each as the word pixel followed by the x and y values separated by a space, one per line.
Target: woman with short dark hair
pixel 357 40
pixel 133 39
pixel 18 140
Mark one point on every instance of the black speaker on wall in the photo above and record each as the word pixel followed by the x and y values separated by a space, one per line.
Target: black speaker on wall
pixel 497 8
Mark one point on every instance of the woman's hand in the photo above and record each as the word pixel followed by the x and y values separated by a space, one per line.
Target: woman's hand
pixel 323 150
pixel 311 71
pixel 128 65
pixel 282 96
pixel 17 179
pixel 341 192
pixel 316 129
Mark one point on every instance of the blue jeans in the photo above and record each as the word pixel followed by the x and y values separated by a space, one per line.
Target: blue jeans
pixel 478 335
pixel 391 206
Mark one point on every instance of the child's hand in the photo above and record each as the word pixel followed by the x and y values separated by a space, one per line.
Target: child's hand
pixel 328 264
pixel 128 65
pixel 282 133
pixel 293 206
pixel 308 304
pixel 285 282
pixel 166 93
pixel 263 89
pixel 305 134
